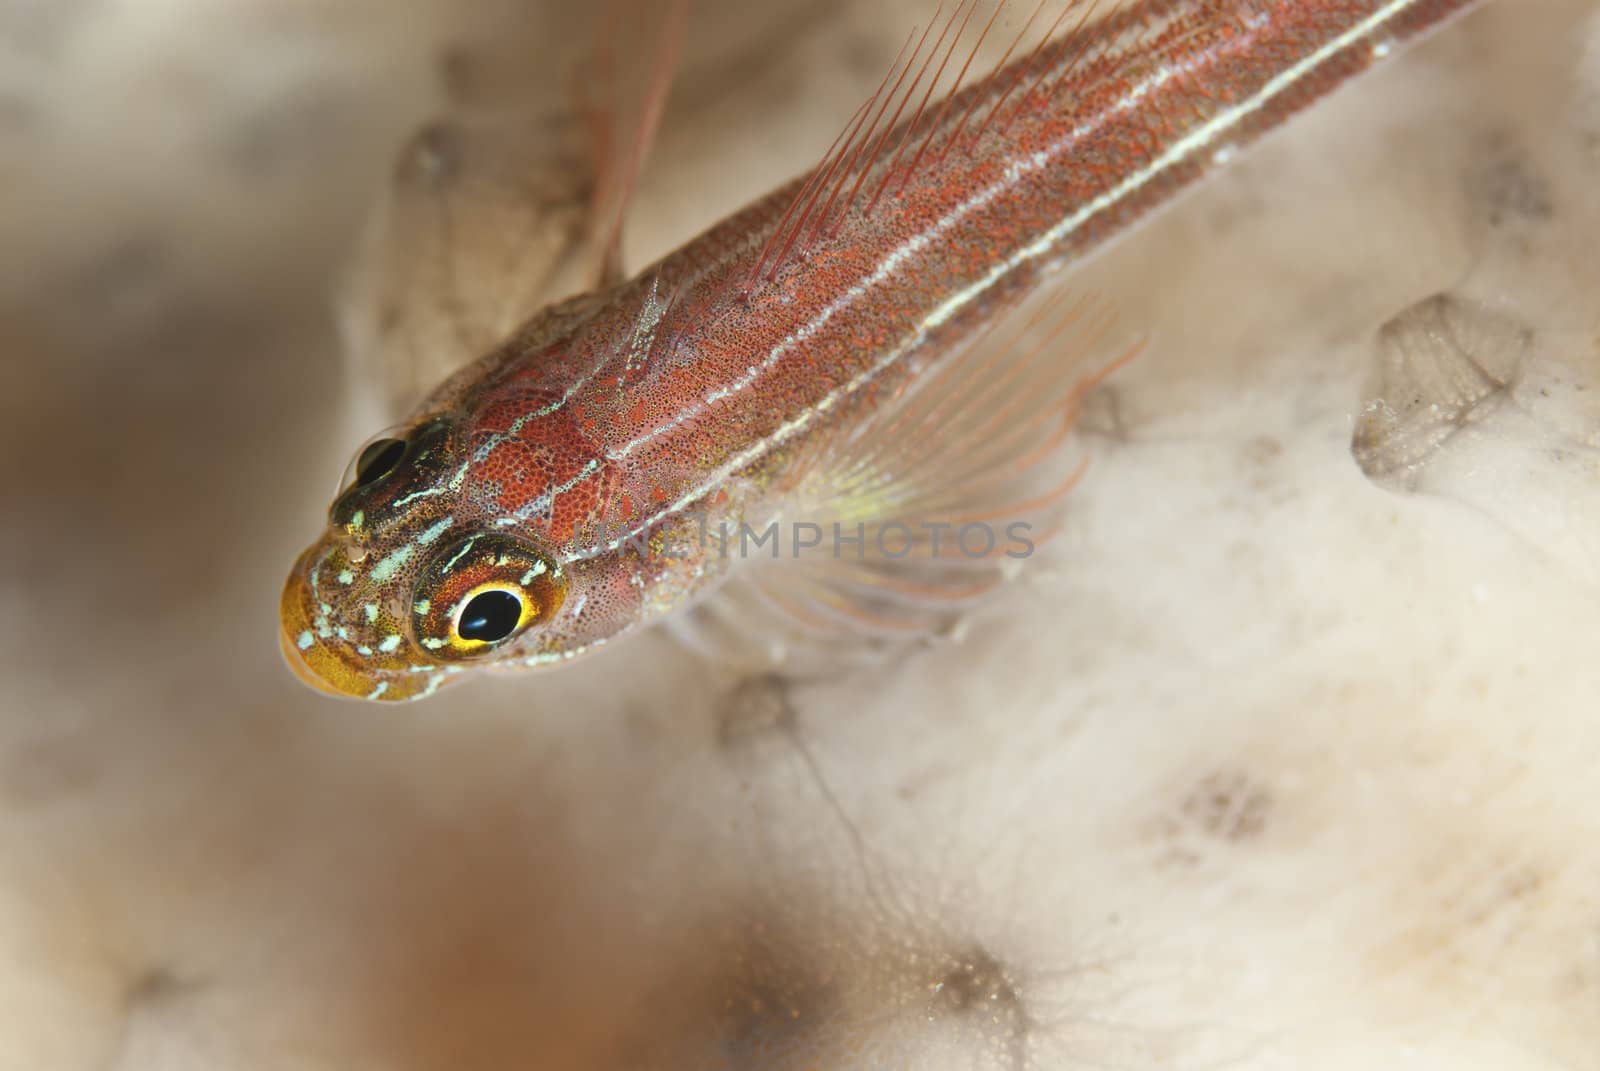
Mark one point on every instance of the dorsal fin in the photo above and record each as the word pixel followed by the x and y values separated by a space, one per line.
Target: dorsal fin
pixel 896 132
pixel 488 219
pixel 621 135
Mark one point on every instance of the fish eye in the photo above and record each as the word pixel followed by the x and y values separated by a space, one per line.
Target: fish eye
pixel 476 594
pixel 380 456
pixel 378 460
pixel 490 616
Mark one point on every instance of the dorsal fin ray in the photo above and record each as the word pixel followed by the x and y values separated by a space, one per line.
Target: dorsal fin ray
pixel 945 104
pixel 898 132
pixel 849 155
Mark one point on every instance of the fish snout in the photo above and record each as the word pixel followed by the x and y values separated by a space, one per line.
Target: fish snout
pixel 339 643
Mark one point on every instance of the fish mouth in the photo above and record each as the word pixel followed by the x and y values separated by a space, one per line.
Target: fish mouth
pixel 326 672
pixel 301 668
pixel 333 666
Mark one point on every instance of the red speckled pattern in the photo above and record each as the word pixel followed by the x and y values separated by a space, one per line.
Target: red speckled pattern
pixel 663 413
pixel 694 385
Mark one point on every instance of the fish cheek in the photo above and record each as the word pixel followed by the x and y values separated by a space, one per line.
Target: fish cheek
pixel 609 596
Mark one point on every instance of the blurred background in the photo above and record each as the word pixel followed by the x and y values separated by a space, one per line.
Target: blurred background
pixel 1283 758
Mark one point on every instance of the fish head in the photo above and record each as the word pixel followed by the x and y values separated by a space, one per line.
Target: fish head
pixel 410 585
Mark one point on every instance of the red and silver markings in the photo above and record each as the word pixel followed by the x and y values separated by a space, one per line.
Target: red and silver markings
pixel 751 362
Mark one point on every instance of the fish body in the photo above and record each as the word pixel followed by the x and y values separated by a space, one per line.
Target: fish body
pixel 571 476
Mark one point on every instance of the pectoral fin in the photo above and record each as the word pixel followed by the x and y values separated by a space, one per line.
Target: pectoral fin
pixel 934 502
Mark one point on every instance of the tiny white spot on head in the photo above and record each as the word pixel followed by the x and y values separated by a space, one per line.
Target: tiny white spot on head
pixel 421 606
pixel 1223 155
pixel 304 640
pixel 389 643
pixel 386 569
pixel 435 531
pixel 346 576
pixel 1381 49
pixel 372 612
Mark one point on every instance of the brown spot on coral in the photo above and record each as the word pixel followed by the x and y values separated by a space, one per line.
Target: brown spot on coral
pixel 1229 806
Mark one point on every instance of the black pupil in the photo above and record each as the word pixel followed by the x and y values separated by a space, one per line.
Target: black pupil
pixel 379 459
pixel 490 616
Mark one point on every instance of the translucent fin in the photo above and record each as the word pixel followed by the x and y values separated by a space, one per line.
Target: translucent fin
pixel 622 103
pixel 482 224
pixel 487 220
pixel 895 532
